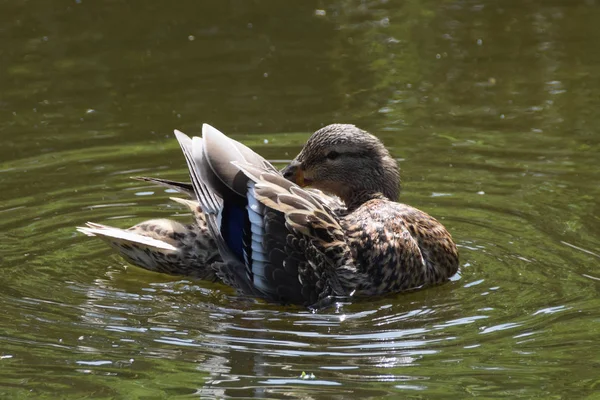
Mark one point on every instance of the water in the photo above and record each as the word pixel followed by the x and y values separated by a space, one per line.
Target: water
pixel 491 108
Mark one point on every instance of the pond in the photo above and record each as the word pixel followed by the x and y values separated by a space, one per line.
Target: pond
pixel 492 109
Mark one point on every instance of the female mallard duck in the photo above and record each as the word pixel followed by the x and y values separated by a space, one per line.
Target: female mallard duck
pixel 285 243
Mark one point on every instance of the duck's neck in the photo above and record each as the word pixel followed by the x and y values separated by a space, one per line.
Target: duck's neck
pixel 383 184
pixel 358 198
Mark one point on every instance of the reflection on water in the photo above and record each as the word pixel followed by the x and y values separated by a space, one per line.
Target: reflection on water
pixel 491 109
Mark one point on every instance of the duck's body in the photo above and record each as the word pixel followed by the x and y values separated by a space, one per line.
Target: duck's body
pixel 285 243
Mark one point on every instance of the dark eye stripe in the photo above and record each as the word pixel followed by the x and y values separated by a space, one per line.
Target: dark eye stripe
pixel 332 155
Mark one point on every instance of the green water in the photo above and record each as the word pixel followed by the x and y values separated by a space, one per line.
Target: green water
pixel 491 107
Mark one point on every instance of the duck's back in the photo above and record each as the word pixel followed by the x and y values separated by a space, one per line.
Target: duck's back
pixel 398 247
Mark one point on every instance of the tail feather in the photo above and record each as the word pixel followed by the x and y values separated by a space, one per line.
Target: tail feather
pixel 181 187
pixel 118 236
pixel 162 245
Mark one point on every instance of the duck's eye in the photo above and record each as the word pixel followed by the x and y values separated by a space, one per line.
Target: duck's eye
pixel 332 155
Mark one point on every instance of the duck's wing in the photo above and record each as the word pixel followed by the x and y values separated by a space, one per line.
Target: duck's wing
pixel 315 248
pixel 334 203
pixel 277 240
pixel 225 219
pixel 283 262
pixel 181 187
pixel 261 254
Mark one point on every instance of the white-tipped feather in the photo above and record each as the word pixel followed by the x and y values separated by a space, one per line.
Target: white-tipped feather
pixel 108 232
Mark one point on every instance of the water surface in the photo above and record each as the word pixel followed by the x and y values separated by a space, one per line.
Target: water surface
pixel 490 107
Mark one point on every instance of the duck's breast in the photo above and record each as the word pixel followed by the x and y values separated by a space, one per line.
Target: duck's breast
pixel 399 247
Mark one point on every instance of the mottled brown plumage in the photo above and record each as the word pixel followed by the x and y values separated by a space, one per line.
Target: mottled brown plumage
pixel 394 247
pixel 272 237
pixel 163 245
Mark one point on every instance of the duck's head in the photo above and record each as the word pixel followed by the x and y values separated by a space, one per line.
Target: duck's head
pixel 346 161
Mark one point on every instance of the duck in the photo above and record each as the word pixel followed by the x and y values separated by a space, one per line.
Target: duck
pixel 327 226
